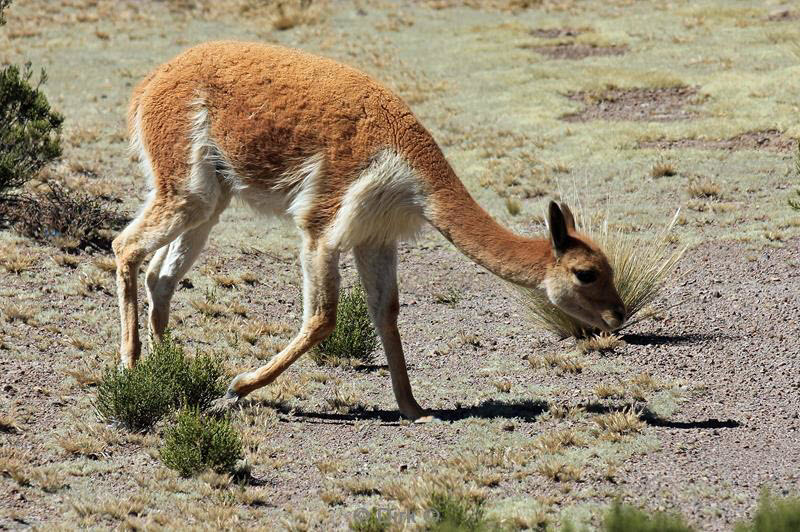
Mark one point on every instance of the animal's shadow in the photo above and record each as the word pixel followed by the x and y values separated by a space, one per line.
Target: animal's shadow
pixel 671 339
pixel 655 421
pixel 525 411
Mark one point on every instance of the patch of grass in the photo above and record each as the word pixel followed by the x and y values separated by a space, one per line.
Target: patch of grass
pixel 774 515
pixel 703 188
pixel 620 423
pixel 450 297
pixel 563 362
pixel 196 443
pixel 354 336
pixel 372 521
pixel 794 203
pixel 15 262
pixel 12 313
pixel 451 513
pixel 601 343
pixel 513 206
pixel 663 169
pixel 557 468
pixel 641 269
pixel 624 518
pixel 140 397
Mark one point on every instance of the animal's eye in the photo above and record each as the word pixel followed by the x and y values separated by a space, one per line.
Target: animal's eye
pixel 585 276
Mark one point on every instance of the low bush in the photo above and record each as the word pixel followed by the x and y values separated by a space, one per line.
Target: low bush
pixel 454 513
pixel 641 269
pixel 167 379
pixel 374 521
pixel 29 130
pixel 774 515
pixel 196 443
pixel 354 337
pixel 68 219
pixel 624 518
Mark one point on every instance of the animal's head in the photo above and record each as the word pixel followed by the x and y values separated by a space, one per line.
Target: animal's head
pixel 580 280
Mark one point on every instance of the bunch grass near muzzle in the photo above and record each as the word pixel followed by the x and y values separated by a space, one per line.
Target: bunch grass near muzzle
pixel 641 267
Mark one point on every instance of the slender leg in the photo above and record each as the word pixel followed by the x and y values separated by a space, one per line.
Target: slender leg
pixel 170 264
pixel 320 298
pixel 377 267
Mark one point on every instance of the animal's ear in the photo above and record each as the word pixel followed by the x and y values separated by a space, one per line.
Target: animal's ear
pixel 568 218
pixel 558 229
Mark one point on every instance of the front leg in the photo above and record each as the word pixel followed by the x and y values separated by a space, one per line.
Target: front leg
pixel 377 267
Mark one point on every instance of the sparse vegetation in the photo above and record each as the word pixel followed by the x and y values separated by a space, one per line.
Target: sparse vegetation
pixel 456 513
pixel 623 518
pixel 65 218
pixel 774 515
pixel 197 442
pixel 794 203
pixel 663 169
pixel 354 337
pixel 140 397
pixel 641 269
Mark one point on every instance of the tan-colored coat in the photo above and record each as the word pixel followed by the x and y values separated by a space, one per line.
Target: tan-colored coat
pixel 299 135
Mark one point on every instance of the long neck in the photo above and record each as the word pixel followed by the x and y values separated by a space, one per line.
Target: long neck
pixel 469 227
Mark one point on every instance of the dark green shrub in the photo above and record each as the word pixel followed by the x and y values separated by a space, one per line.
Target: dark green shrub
pixel 29 129
pixel 354 337
pixel 65 218
pixel 136 399
pixel 774 515
pixel 167 379
pixel 3 4
pixel 374 521
pixel 624 518
pixel 196 443
pixel 456 514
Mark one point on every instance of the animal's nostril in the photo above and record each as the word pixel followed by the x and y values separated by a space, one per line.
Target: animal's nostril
pixel 620 314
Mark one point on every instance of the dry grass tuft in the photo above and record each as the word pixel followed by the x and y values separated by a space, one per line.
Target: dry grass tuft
pixel 704 188
pixel 641 269
pixel 12 313
pixel 558 469
pixel 564 362
pixel 620 423
pixel 663 169
pixel 15 262
pixel 601 343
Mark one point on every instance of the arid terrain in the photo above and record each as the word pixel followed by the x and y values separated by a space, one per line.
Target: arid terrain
pixel 639 108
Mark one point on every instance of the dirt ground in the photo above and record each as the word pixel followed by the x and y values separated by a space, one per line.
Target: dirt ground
pixel 708 88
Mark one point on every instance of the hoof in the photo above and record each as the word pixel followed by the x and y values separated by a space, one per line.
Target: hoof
pixel 223 405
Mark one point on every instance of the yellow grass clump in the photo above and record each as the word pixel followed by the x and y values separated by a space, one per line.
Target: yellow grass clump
pixel 641 269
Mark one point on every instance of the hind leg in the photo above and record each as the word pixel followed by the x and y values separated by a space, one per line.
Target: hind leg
pixel 170 264
pixel 320 298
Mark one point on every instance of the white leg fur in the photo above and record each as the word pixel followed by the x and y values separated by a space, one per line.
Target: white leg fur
pixel 170 265
pixel 377 267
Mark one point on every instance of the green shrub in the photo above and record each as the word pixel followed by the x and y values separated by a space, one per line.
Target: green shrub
pixel 196 443
pixel 624 518
pixel 167 379
pixel 774 515
pixel 29 129
pixel 456 514
pixel 354 337
pixel 373 522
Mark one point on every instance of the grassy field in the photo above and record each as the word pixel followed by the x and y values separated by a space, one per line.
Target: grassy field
pixel 636 108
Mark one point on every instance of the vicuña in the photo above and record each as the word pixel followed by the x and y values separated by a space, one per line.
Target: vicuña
pixel 293 134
